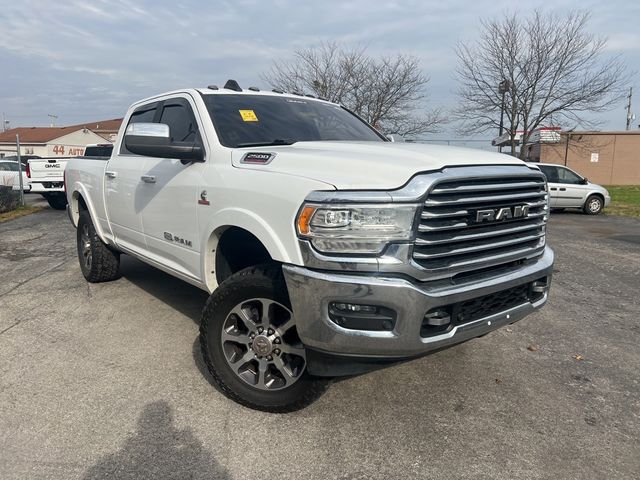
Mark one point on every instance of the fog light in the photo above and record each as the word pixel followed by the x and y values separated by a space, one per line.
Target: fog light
pixel 437 318
pixel 539 286
pixel 354 316
pixel 354 307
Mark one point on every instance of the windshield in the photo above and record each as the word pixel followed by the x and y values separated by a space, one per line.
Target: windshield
pixel 253 120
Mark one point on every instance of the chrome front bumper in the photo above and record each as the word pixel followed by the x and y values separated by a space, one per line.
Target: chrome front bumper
pixel 311 292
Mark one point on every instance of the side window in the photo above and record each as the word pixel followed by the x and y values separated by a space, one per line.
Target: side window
pixel 144 114
pixel 4 167
pixel 567 176
pixel 550 172
pixel 182 123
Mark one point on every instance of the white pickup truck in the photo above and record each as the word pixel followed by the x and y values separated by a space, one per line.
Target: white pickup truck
pixel 327 250
pixel 46 175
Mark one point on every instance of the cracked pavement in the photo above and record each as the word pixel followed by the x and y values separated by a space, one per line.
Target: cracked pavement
pixel 106 380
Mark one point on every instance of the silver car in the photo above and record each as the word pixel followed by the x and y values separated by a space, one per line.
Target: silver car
pixel 567 189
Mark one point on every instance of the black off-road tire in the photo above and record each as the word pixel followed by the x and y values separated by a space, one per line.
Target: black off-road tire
pixel 56 200
pixel 594 205
pixel 103 264
pixel 267 282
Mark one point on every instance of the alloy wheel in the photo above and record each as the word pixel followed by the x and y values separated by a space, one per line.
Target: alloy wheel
pixel 85 247
pixel 261 345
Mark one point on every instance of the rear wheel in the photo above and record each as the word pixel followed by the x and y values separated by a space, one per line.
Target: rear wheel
pixel 593 205
pixel 57 200
pixel 97 262
pixel 250 343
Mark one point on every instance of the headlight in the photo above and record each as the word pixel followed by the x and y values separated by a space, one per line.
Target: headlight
pixel 344 228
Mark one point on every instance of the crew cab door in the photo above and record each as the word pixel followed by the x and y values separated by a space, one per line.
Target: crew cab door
pixel 123 188
pixel 170 195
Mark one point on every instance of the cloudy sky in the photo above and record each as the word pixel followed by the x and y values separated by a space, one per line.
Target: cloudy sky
pixel 88 60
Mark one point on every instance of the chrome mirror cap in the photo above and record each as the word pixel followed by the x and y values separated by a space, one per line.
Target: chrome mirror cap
pixel 159 130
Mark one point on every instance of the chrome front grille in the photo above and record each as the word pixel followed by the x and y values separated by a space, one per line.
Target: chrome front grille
pixel 451 238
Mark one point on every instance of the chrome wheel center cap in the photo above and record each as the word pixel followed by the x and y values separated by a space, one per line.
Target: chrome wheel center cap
pixel 262 345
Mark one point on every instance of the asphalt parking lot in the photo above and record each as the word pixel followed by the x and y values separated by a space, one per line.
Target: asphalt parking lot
pixel 106 381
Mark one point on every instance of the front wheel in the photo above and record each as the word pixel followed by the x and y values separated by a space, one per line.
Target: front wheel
pixel 593 205
pixel 250 344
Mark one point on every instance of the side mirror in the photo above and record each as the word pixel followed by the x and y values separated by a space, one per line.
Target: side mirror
pixel 154 140
pixel 394 137
pixel 585 181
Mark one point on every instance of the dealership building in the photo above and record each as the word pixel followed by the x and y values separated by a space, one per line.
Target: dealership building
pixel 58 141
pixel 607 158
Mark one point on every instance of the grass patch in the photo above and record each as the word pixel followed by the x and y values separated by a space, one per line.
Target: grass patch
pixel 625 200
pixel 19 212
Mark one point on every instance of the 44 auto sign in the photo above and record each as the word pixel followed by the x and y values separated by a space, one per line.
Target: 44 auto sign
pixel 65 150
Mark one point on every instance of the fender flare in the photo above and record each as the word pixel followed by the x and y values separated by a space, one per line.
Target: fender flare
pixel 79 190
pixel 247 220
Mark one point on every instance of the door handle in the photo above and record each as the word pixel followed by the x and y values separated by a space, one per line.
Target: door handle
pixel 110 174
pixel 563 189
pixel 148 178
pixel 553 188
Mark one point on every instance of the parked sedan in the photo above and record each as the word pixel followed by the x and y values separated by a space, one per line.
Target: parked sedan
pixel 567 189
pixel 8 172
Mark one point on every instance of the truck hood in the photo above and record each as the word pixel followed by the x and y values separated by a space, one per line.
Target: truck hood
pixel 366 165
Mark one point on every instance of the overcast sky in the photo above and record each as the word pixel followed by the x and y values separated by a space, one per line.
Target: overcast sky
pixel 88 60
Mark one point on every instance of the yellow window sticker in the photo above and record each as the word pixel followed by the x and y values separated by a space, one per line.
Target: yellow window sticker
pixel 248 115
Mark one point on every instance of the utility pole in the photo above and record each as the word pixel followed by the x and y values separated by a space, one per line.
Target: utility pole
pixel 53 119
pixel 630 116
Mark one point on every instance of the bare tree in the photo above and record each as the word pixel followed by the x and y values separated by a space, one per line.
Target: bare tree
pixel 556 72
pixel 388 92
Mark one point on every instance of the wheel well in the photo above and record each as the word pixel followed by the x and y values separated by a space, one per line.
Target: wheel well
pixel 596 194
pixel 82 206
pixel 77 206
pixel 238 249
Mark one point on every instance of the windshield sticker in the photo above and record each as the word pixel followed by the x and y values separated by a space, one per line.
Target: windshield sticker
pixel 248 115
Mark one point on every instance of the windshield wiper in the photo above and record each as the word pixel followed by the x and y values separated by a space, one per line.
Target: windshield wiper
pixel 277 141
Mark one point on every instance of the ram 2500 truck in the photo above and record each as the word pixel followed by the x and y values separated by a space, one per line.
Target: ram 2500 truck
pixel 327 250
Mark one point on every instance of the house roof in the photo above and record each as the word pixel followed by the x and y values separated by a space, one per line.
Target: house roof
pixel 46 134
pixel 103 126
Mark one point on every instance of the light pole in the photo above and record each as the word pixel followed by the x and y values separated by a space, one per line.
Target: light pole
pixel 503 88
pixel 20 170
